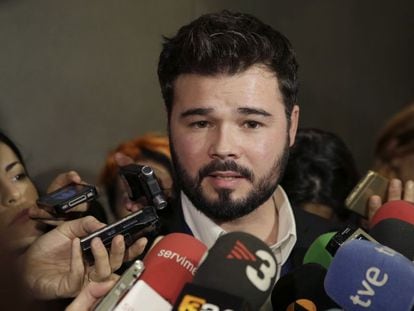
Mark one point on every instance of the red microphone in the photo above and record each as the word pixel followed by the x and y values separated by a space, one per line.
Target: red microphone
pixel 398 209
pixel 169 265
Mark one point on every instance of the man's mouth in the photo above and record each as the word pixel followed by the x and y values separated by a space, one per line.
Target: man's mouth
pixel 226 175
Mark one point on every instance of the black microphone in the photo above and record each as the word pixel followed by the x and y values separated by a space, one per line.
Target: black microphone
pixel 396 234
pixel 238 266
pixel 305 282
pixel 196 297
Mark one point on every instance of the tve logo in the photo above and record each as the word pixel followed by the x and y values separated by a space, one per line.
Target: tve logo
pixel 373 277
pixel 194 303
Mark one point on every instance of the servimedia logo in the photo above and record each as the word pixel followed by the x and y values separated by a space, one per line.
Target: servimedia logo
pixel 179 259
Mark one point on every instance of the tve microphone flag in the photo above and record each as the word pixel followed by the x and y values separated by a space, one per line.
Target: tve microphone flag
pixel 241 265
pixel 369 276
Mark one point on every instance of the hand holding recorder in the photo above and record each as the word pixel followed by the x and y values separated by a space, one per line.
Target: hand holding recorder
pixel 373 190
pixel 396 191
pixel 66 199
pixel 141 182
pixel 53 266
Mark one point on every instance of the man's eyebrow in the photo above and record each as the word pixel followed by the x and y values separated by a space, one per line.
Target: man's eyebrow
pixel 11 165
pixel 248 111
pixel 196 112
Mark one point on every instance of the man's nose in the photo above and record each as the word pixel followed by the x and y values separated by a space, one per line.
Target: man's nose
pixel 224 144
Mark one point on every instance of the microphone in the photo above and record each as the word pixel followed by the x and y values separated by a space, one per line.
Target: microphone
pixel 170 264
pixel 346 235
pixel 396 234
pixel 397 209
pixel 317 252
pixel 302 288
pixel 238 266
pixel 302 305
pixel 196 297
pixel 325 246
pixel 142 297
pixel 369 276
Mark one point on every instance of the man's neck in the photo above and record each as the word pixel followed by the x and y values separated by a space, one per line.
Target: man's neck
pixel 263 223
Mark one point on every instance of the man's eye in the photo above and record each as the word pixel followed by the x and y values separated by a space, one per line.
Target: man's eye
pixel 252 124
pixel 200 124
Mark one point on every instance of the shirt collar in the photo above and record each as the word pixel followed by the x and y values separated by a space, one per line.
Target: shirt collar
pixel 204 229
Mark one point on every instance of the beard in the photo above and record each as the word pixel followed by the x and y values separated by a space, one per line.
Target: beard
pixel 224 208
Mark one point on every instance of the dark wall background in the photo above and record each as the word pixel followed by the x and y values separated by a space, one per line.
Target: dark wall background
pixel 78 77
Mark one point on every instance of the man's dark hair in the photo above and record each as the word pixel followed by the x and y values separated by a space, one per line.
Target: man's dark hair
pixel 227 43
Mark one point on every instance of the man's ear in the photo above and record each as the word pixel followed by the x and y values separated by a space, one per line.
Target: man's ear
pixel 294 122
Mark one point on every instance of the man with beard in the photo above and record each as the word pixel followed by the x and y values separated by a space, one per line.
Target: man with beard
pixel 229 83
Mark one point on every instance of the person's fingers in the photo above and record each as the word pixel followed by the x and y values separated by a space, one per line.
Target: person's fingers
pixel 102 268
pixel 44 216
pixel 89 296
pixel 133 206
pixel 374 203
pixel 80 227
pixel 395 190
pixel 409 191
pixel 80 208
pixel 73 283
pixel 117 253
pixel 135 249
pixel 64 179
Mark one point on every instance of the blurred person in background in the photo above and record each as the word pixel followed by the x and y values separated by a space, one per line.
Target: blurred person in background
pixel 394 151
pixel 320 173
pixel 394 157
pixel 150 149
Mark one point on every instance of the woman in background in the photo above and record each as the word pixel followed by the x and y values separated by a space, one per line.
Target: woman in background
pixel 394 151
pixel 18 195
pixel 150 149
pixel 21 220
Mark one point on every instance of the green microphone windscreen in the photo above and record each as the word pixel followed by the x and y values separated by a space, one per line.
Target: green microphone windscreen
pixel 317 252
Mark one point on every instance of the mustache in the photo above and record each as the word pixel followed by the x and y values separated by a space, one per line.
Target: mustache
pixel 217 165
